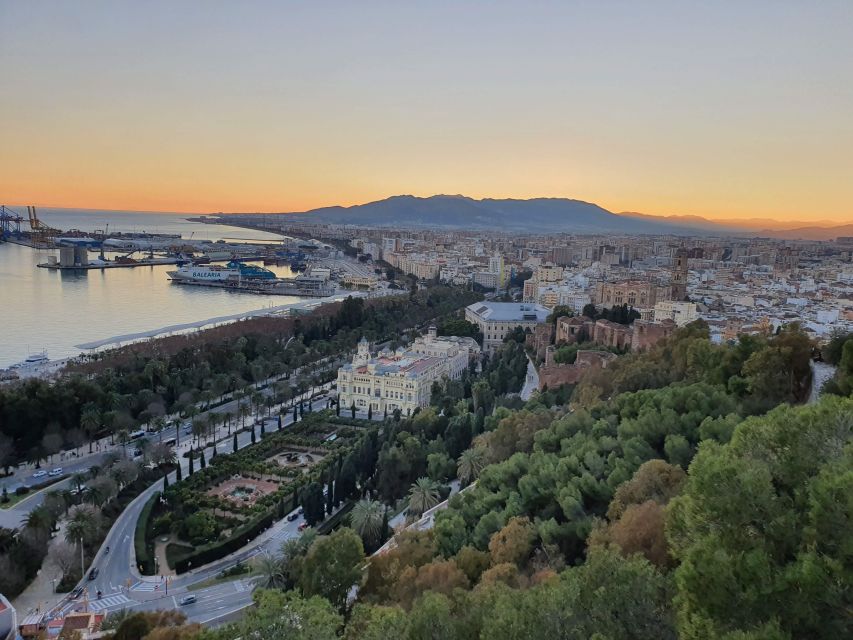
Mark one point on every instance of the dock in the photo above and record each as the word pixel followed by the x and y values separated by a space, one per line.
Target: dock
pixel 111 264
pixel 268 288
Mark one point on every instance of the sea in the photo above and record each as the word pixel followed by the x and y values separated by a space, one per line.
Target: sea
pixel 61 312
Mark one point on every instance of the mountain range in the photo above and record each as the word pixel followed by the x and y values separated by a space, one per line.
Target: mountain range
pixel 546 215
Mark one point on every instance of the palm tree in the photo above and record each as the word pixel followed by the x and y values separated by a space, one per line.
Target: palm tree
pixel 78 479
pixel 39 519
pixel 90 420
pixel 272 571
pixel 470 464
pixel 366 519
pixel 423 496
pixel 226 418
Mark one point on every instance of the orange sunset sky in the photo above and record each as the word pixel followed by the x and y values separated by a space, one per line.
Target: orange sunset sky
pixel 655 107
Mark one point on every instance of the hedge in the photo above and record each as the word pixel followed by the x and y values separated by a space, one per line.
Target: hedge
pixel 144 551
pixel 216 550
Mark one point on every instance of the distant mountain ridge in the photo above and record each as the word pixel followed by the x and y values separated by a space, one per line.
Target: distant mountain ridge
pixel 542 215
pixel 537 215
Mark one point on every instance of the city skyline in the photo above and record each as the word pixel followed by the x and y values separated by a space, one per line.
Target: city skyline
pixel 204 108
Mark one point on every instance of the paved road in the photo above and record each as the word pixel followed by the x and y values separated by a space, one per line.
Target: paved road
pixel 122 587
pixel 531 381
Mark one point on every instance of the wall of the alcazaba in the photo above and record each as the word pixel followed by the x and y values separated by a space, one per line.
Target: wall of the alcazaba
pixel 553 375
pixel 540 338
pixel 646 334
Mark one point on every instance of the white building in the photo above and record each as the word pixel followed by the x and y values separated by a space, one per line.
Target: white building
pixel 402 379
pixel 682 313
pixel 496 319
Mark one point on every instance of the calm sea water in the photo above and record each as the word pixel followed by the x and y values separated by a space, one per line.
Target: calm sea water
pixel 56 310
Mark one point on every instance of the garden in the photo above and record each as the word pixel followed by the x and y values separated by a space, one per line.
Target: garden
pixel 229 501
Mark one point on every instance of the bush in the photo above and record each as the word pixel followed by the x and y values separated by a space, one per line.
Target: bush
pixel 144 551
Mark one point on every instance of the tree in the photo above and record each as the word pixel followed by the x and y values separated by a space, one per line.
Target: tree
pixel 283 616
pixel 373 622
pixel 423 496
pixel 332 566
pixel 513 543
pixel 366 518
pixel 352 410
pixel 272 571
pixel 313 503
pixel 471 463
pixel 202 461
pixel 234 446
pixel 768 512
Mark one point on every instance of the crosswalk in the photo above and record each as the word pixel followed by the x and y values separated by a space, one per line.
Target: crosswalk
pixel 146 586
pixel 109 602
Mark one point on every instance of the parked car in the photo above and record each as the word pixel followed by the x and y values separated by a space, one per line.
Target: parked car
pixel 293 516
pixel 303 526
pixel 41 473
pixel 93 573
pixel 76 593
pixel 187 600
pixel 55 472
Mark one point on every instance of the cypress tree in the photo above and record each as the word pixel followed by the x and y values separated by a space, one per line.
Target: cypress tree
pixel 254 438
pixel 295 413
pixel 295 504
pixel 384 535
pixel 192 464
pixel 385 413
pixel 338 408
pixel 263 430
pixel 279 422
pixel 179 475
pixel 165 482
pixel 203 462
pixel 370 411
pixel 330 492
pixel 352 409
pixel 234 446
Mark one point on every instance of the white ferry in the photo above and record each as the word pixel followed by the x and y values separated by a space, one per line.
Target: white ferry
pixel 205 273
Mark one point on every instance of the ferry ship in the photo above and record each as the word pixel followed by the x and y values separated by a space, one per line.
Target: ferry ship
pixel 232 272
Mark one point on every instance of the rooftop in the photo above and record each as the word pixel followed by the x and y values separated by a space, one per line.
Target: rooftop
pixel 509 311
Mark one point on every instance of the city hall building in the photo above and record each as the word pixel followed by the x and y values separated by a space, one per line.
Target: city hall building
pixel 402 379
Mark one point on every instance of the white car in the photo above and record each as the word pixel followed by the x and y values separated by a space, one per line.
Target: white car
pixel 55 472
pixel 40 474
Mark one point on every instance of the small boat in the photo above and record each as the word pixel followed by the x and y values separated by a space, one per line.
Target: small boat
pixel 37 358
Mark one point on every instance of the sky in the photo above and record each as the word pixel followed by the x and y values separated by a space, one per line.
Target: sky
pixel 725 110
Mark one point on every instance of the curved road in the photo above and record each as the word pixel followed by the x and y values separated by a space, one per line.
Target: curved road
pixel 122 587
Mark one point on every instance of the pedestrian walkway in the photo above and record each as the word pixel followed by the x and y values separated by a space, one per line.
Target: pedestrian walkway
pixel 109 602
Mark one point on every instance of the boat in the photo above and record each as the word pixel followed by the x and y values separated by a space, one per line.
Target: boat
pixel 205 273
pixel 232 272
pixel 37 358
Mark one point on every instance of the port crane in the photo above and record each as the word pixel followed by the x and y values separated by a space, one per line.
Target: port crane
pixel 10 222
pixel 42 234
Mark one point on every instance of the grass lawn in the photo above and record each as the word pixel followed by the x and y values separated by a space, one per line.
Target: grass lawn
pixel 14 498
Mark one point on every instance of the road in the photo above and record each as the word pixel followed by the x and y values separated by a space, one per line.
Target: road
pixel 121 585
pixel 531 381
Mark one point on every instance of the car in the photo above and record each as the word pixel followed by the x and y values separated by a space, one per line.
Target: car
pixel 40 474
pixel 293 516
pixel 93 574
pixel 137 452
pixel 76 593
pixel 301 511
pixel 187 600
pixel 188 430
pixel 75 491
pixel 302 526
pixel 55 472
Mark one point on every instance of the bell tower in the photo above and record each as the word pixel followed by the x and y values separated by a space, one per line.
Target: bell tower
pixel 679 275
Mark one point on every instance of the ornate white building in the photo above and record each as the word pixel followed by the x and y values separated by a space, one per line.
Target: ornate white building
pixel 402 379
